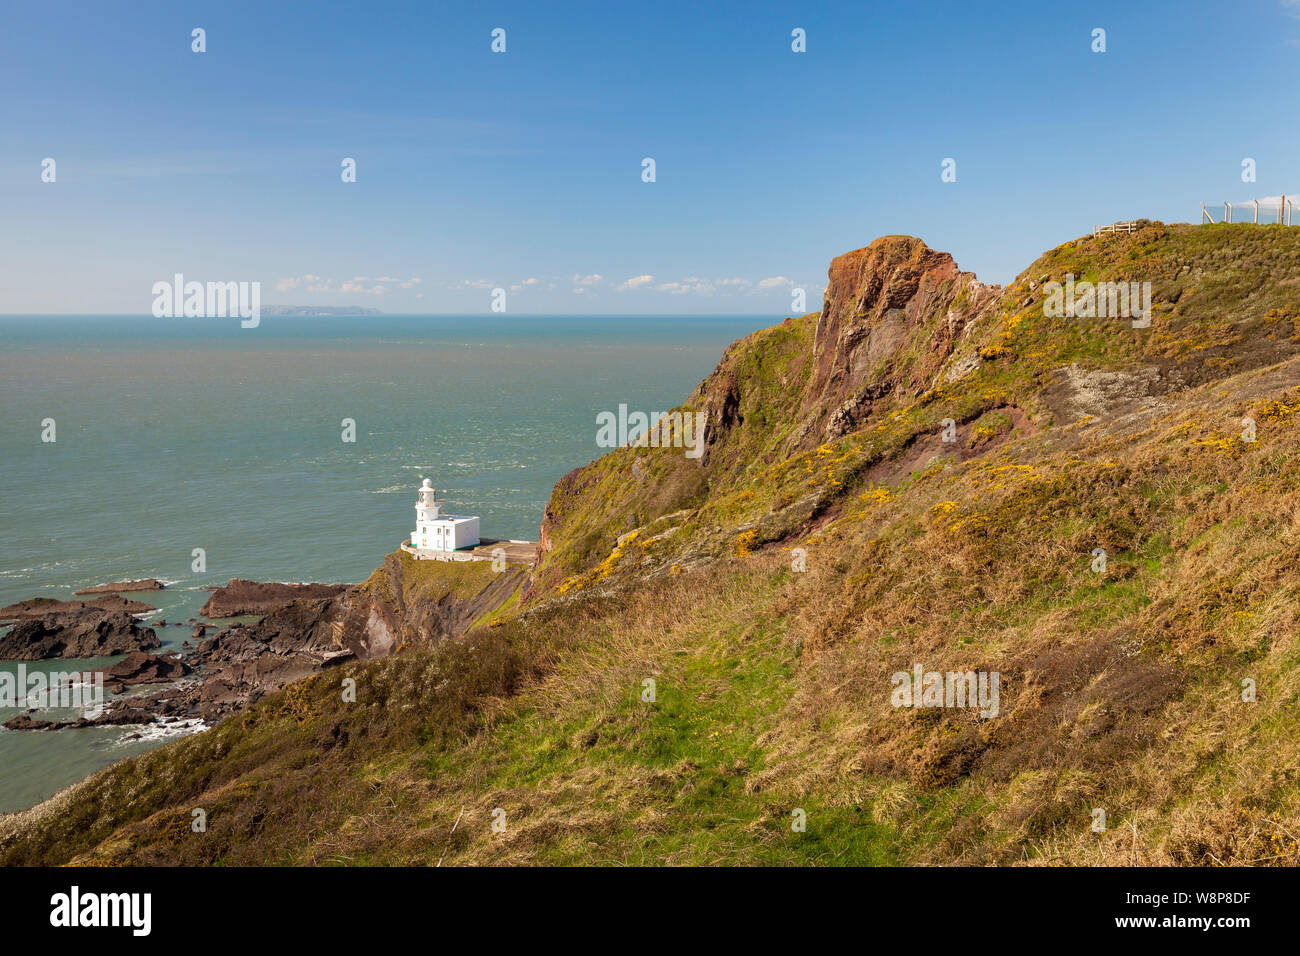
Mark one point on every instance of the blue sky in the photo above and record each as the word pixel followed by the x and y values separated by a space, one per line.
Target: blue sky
pixel 478 170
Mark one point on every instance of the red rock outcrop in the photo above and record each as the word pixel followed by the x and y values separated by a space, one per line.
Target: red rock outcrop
pixel 890 315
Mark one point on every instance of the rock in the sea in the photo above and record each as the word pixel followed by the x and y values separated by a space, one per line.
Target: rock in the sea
pixel 43 606
pixel 141 668
pixel 144 584
pixel 116 717
pixel 200 631
pixel 241 597
pixel 88 632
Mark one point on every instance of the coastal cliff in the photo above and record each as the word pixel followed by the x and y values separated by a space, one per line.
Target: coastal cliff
pixel 930 473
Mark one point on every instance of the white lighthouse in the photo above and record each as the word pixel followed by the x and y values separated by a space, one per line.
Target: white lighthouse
pixel 435 531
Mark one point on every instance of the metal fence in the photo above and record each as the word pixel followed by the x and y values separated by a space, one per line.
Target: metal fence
pixel 1274 209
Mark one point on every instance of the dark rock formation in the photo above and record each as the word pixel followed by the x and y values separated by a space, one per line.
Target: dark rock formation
pixel 42 607
pixel 114 717
pixel 143 584
pixel 89 632
pixel 241 597
pixel 141 668
pixel 240 664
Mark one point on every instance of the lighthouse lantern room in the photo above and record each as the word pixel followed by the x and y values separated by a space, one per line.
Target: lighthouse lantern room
pixel 435 531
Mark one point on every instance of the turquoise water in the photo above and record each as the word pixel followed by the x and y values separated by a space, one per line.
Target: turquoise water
pixel 176 434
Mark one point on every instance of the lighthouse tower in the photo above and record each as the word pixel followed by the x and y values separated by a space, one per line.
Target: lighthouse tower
pixel 426 507
pixel 435 531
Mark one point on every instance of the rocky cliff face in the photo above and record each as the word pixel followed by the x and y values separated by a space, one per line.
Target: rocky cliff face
pixel 420 602
pixel 890 316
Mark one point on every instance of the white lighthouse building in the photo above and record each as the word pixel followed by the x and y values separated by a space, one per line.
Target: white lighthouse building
pixel 435 531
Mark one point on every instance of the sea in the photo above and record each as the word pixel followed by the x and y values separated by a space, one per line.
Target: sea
pixel 180 438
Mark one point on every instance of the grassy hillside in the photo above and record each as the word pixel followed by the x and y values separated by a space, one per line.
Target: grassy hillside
pixel 771 589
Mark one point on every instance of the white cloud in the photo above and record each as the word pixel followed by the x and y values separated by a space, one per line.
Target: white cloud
pixel 699 285
pixel 357 288
pixel 285 285
pixel 362 285
pixel 690 285
pixel 583 283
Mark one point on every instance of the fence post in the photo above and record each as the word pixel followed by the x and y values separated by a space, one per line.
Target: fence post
pixel 1256 202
